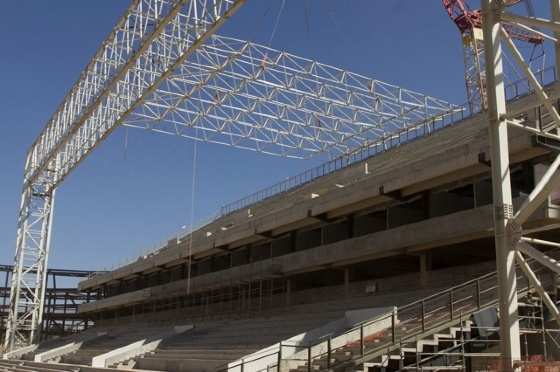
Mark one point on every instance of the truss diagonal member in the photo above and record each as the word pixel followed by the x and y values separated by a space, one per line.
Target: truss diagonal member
pixel 521 124
pixel 541 95
pixel 536 284
pixel 548 183
pixel 531 21
pixel 539 256
pixel 241 91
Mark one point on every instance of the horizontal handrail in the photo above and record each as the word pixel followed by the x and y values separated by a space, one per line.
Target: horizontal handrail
pixel 244 362
pixel 472 281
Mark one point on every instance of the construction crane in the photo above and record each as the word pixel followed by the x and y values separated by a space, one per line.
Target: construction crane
pixel 469 23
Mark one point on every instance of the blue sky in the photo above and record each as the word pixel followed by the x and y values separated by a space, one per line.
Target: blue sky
pixel 111 209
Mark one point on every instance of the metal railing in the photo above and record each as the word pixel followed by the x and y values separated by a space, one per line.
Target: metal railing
pixel 414 320
pixel 389 331
pixel 514 91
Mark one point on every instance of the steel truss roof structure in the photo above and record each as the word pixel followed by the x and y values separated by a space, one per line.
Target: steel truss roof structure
pixel 250 96
pixel 161 68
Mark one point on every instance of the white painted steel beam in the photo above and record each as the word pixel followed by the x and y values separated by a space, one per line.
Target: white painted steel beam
pixel 537 285
pixel 501 184
pixel 540 257
pixel 549 182
pixel 539 91
pixel 531 21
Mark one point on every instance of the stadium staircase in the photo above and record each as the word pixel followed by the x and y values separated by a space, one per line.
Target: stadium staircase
pixel 214 343
pixel 436 333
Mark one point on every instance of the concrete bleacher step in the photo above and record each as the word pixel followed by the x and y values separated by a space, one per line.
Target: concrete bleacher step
pixel 215 344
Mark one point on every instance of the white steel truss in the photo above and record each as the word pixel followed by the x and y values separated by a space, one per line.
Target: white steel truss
pixel 249 96
pixel 151 38
pixel 162 69
pixel 511 245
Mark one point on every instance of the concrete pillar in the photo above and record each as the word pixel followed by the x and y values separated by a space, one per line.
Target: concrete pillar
pixel 350 226
pixel 346 282
pixel 425 268
pixel 288 292
pixel 260 295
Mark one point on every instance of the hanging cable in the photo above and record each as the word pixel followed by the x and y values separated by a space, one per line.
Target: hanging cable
pixel 307 11
pixel 125 142
pixel 282 6
pixel 193 186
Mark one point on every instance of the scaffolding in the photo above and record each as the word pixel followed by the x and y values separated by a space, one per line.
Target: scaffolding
pixel 62 299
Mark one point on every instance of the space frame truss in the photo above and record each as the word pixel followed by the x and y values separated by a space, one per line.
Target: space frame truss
pixel 250 96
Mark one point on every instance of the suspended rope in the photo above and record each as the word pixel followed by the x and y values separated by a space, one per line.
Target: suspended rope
pixel 307 11
pixel 125 143
pixel 282 6
pixel 191 228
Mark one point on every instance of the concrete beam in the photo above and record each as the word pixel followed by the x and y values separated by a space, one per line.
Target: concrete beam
pixel 18 353
pixel 66 349
pixel 136 349
pixel 540 257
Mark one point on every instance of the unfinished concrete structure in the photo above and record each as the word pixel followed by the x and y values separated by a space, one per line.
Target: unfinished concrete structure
pixel 381 259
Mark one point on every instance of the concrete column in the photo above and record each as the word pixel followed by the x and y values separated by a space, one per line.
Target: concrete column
pixel 288 292
pixel 260 294
pixel 425 267
pixel 350 230
pixel 346 282
pixel 501 184
pixel 427 204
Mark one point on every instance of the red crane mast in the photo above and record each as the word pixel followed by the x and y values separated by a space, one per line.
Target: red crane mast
pixel 469 23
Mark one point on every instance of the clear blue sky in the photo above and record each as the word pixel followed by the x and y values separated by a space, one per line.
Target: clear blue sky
pixel 111 209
